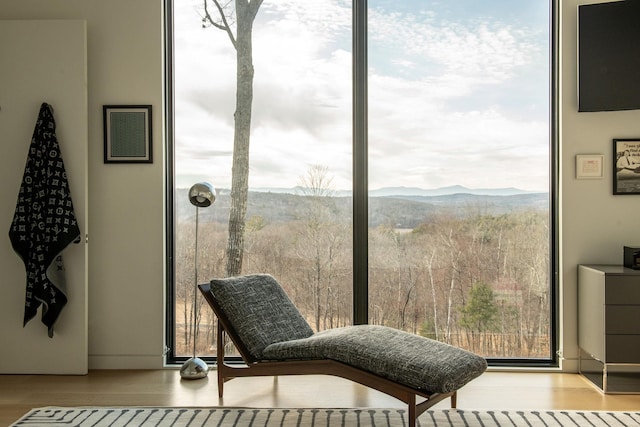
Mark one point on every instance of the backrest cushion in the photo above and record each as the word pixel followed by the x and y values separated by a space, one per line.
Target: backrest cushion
pixel 260 311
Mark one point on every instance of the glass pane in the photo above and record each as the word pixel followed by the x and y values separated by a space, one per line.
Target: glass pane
pixel 459 172
pixel 298 222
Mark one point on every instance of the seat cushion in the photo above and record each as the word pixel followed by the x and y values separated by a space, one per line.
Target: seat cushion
pixel 260 311
pixel 412 360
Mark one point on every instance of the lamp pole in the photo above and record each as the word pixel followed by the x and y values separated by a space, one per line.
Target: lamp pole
pixel 201 195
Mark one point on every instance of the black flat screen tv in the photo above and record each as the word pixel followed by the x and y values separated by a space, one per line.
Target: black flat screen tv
pixel 609 56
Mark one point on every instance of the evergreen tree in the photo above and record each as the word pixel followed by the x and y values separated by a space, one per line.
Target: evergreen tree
pixel 479 313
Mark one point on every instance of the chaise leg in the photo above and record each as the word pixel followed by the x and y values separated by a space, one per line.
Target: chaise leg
pixel 426 404
pixel 413 416
pixel 220 385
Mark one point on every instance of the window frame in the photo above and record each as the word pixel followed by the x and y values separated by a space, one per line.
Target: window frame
pixel 360 187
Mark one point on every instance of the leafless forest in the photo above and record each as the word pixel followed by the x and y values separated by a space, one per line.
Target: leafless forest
pixel 468 274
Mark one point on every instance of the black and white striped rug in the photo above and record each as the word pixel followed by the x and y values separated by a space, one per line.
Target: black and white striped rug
pixel 255 417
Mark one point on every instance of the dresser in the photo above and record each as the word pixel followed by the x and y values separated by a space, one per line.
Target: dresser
pixel 609 327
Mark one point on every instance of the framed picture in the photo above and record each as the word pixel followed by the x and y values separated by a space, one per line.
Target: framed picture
pixel 626 166
pixel 589 166
pixel 127 134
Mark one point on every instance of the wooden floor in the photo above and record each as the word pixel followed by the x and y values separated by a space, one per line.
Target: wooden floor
pixel 493 390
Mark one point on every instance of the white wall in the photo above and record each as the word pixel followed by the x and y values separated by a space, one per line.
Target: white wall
pixel 126 201
pixel 595 225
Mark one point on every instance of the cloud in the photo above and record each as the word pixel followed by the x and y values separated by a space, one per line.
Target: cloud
pixel 451 101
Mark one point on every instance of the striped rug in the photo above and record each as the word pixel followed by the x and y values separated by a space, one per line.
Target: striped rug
pixel 254 417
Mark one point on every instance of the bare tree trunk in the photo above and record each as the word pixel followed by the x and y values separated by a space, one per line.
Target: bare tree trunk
pixel 185 319
pixel 452 283
pixel 245 14
pixel 434 298
pixel 317 282
pixel 454 253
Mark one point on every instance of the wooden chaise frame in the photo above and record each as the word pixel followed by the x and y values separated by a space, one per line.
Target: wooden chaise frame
pixel 256 368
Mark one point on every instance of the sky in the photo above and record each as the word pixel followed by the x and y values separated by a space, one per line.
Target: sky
pixel 458 94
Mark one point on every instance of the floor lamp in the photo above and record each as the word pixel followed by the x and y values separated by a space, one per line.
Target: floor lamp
pixel 201 195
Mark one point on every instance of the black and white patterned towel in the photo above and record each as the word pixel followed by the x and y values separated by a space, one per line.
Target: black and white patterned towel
pixel 44 223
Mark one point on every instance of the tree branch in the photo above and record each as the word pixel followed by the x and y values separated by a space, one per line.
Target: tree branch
pixel 254 6
pixel 224 26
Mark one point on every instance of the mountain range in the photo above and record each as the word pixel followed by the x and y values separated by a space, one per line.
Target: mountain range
pixel 412 191
pixel 402 206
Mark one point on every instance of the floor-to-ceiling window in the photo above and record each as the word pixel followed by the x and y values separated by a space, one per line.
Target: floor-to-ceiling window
pixel 449 111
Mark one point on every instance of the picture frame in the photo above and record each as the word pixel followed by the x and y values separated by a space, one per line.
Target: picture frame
pixel 626 166
pixel 127 134
pixel 589 166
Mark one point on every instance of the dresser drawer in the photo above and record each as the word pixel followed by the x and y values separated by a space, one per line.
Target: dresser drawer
pixel 622 319
pixel 622 290
pixel 622 348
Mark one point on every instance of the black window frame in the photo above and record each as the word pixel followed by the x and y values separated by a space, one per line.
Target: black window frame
pixel 360 187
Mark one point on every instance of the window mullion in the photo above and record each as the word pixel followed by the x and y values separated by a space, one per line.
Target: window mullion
pixel 360 184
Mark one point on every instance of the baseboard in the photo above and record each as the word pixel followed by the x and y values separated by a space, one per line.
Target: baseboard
pixel 126 361
pixel 570 365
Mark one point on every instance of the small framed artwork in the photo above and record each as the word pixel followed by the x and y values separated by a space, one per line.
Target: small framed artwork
pixel 589 166
pixel 127 134
pixel 626 166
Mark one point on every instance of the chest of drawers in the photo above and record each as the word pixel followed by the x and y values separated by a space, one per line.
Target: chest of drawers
pixel 609 327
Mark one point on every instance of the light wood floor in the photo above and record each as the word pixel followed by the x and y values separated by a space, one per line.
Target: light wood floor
pixel 493 390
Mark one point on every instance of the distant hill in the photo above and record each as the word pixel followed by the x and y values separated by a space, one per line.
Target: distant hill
pixel 406 210
pixel 412 191
pixel 445 191
pixel 503 203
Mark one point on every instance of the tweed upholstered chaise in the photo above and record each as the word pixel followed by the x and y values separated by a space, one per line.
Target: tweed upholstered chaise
pixel 274 339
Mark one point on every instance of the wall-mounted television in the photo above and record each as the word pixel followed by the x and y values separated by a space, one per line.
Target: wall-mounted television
pixel 609 56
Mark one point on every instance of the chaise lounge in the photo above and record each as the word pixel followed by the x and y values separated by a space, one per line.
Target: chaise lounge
pixel 274 339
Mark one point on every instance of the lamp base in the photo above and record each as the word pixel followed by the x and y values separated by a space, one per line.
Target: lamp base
pixel 194 369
